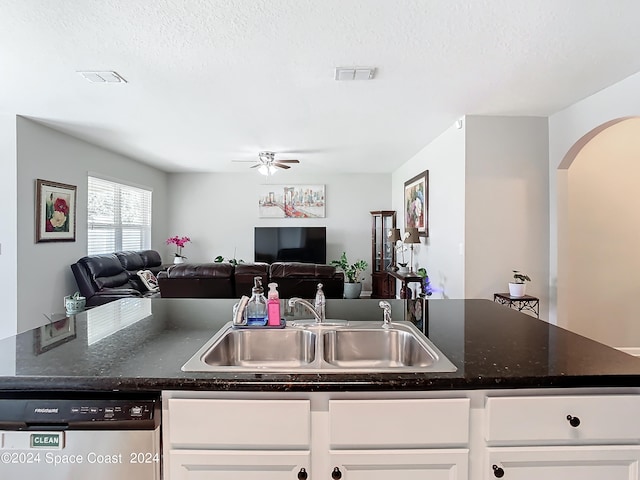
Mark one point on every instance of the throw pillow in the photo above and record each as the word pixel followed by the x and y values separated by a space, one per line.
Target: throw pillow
pixel 149 280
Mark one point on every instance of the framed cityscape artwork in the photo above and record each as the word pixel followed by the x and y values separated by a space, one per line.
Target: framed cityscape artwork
pixel 291 201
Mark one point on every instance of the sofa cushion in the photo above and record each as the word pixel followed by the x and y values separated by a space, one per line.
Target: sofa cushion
pixel 200 270
pixel 105 270
pixel 192 280
pixel 151 258
pixel 131 261
pixel 245 273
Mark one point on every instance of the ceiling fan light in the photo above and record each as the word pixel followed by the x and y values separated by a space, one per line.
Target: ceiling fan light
pixel 272 169
pixel 264 170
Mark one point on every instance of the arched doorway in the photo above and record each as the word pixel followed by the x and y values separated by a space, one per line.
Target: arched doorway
pixel 599 234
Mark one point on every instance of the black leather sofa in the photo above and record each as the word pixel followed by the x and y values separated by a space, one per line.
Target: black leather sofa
pixel 108 277
pixel 223 280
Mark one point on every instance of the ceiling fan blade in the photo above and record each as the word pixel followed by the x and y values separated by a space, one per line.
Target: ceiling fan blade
pixel 287 161
pixel 256 165
pixel 276 164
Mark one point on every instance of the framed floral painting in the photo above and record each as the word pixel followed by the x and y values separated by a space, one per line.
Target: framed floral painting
pixel 416 203
pixel 55 212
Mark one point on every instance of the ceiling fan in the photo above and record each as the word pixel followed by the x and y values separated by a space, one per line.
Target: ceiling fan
pixel 267 163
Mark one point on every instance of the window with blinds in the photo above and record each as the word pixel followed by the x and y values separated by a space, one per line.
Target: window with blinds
pixel 119 217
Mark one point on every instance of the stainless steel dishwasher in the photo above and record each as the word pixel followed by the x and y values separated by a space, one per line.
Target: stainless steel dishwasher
pixel 72 438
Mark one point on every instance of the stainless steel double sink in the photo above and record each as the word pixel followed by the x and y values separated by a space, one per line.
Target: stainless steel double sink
pixel 331 347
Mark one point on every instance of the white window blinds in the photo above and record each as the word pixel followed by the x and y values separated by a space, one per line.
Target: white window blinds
pixel 119 217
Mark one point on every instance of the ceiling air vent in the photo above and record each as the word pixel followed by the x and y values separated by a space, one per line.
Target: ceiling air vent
pixel 103 77
pixel 355 73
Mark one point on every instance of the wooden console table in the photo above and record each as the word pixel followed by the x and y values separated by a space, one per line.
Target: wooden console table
pixel 405 278
pixel 525 303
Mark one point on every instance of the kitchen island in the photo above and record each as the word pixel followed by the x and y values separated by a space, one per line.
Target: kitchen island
pixel 141 344
pixel 527 399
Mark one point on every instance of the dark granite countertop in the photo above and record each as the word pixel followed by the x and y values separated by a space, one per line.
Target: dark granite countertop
pixel 141 344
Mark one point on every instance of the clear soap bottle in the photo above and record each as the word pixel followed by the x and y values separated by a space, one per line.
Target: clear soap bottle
pixel 257 305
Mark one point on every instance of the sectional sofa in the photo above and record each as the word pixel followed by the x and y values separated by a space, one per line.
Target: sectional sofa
pixel 108 277
pixel 224 280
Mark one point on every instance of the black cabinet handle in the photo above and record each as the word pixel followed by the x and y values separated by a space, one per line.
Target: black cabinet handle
pixel 302 474
pixel 497 471
pixel 336 474
pixel 573 421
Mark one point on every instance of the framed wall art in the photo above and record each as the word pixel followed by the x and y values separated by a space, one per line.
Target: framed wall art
pixel 416 203
pixel 291 201
pixel 55 212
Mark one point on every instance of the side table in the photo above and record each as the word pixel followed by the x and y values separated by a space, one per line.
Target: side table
pixel 525 303
pixel 405 278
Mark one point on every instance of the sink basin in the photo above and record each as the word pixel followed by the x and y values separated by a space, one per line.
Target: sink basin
pixel 376 349
pixel 332 347
pixel 282 348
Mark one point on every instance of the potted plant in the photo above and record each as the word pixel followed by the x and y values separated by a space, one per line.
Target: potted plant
pixel 232 261
pixel 517 287
pixel 179 242
pixel 400 249
pixel 352 275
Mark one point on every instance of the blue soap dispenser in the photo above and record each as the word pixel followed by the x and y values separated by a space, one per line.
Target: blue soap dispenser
pixel 257 305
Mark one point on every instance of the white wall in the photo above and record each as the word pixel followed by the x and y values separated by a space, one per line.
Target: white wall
pixel 565 129
pixel 8 226
pixel 442 252
pixel 219 210
pixel 506 219
pixel 44 275
pixel 602 257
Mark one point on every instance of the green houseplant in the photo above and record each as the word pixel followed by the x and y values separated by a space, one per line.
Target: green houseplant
pixel 517 287
pixel 352 275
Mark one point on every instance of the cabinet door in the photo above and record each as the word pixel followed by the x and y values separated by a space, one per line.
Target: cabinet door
pixel 437 464
pixel 563 463
pixel 236 465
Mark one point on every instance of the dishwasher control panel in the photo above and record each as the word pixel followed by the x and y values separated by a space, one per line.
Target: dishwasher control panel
pixel 78 412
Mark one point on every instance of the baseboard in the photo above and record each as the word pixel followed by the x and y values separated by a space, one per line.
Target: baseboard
pixel 635 351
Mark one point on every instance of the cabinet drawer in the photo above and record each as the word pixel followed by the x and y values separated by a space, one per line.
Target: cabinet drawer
pixel 225 465
pixel 398 423
pixel 538 420
pixel 239 424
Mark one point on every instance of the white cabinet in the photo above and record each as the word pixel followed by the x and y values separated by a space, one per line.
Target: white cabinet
pixel 218 439
pixel 562 437
pixel 563 463
pixel 235 464
pixel 548 434
pixel 215 439
pixel 422 439
pixel 435 464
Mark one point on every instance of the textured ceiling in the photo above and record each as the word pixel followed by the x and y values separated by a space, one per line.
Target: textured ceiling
pixel 211 81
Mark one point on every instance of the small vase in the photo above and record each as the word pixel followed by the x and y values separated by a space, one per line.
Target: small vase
pixel 178 260
pixel 516 289
pixel 402 268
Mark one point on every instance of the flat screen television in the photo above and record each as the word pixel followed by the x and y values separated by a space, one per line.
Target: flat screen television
pixel 290 244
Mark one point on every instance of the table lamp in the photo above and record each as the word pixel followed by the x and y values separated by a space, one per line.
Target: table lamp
pixel 412 237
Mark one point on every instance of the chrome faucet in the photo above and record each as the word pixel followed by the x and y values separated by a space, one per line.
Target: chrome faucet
pixel 307 305
pixel 386 315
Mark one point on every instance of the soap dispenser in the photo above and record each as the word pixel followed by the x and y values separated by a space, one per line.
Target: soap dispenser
pixel 257 305
pixel 273 305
